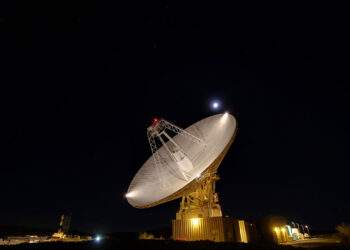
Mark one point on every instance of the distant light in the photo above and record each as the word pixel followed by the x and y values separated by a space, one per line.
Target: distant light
pixel 98 238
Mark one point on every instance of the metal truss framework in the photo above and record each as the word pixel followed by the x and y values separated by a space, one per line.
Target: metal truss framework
pixel 158 130
pixel 203 202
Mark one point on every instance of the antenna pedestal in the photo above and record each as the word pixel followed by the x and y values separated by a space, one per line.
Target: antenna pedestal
pixel 203 202
pixel 200 216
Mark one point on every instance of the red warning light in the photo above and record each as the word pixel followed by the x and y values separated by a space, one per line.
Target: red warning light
pixel 155 121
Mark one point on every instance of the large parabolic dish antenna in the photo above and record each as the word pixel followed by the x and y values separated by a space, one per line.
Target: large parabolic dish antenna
pixel 179 158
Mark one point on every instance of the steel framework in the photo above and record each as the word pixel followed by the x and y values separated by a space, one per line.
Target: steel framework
pixel 158 130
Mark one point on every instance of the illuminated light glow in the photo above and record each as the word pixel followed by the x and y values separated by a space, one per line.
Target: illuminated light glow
pixel 131 194
pixel 283 230
pixel 224 118
pixel 98 238
pixel 277 230
pixel 195 222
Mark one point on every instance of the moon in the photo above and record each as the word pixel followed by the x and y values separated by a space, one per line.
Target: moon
pixel 215 105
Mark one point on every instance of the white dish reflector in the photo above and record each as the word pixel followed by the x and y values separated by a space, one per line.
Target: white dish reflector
pixel 155 182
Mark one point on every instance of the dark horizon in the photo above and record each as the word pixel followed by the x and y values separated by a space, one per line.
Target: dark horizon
pixel 82 82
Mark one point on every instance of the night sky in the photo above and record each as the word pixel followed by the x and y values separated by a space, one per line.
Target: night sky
pixel 80 83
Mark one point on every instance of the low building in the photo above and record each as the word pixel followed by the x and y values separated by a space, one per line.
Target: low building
pixel 218 229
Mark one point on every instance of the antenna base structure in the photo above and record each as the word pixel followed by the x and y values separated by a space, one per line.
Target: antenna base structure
pixel 203 202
